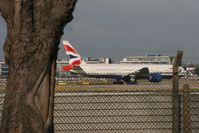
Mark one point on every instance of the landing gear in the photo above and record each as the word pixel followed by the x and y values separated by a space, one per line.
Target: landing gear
pixel 132 80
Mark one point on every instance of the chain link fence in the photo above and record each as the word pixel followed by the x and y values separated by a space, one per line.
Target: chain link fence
pixel 89 105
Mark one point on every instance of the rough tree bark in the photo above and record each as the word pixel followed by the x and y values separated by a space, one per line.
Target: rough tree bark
pixel 34 28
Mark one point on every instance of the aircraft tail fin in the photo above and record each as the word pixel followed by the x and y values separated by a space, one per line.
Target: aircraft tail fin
pixel 73 55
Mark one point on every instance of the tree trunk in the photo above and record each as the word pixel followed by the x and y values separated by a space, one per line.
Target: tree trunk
pixel 34 31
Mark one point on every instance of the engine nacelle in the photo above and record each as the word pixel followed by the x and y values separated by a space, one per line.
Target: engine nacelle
pixel 155 77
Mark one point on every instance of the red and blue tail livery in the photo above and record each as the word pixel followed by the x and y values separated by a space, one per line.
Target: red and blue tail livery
pixel 74 57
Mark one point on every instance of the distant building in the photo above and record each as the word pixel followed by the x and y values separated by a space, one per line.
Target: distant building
pixel 147 59
pixel 4 70
pixel 93 60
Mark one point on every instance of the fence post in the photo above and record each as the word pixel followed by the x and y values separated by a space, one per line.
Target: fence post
pixel 186 109
pixel 175 94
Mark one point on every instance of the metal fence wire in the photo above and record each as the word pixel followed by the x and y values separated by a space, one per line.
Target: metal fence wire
pixel 89 105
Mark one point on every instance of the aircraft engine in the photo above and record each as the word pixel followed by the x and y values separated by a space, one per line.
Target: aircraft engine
pixel 155 77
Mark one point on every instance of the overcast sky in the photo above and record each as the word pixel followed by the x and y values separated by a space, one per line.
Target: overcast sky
pixel 120 28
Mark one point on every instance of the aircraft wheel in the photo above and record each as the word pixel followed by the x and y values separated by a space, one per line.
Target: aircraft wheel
pixel 133 81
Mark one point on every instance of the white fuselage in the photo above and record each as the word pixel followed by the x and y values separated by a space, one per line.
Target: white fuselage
pixel 123 69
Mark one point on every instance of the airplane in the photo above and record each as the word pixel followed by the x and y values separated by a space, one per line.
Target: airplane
pixel 120 73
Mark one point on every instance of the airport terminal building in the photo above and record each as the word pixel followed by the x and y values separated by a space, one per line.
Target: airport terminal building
pixel 147 59
pixel 94 60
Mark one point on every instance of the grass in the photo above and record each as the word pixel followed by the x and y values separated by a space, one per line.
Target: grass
pixel 2 88
pixel 107 86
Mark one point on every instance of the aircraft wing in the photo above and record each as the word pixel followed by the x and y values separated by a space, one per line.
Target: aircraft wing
pixel 140 74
